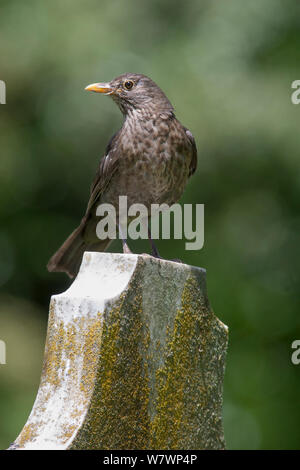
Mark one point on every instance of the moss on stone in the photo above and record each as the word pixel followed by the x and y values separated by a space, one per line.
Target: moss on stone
pixel 118 414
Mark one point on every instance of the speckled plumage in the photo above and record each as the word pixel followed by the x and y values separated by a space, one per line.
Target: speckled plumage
pixel 149 160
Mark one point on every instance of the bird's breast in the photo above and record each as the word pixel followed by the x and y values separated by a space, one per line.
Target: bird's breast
pixel 153 167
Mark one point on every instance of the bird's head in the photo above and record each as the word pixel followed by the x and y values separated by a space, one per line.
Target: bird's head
pixel 133 91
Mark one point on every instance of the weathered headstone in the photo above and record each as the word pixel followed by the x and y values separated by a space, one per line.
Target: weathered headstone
pixel 134 359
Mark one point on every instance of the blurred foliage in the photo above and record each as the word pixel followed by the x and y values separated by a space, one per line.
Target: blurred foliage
pixel 227 67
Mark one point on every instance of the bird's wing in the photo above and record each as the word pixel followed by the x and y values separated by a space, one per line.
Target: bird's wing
pixel 193 164
pixel 106 169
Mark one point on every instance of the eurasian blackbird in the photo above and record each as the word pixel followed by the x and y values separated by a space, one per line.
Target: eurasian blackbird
pixel 149 160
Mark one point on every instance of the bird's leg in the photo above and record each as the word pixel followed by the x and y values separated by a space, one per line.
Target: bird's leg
pixel 126 249
pixel 154 250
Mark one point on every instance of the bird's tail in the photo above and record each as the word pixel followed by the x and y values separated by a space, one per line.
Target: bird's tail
pixel 69 256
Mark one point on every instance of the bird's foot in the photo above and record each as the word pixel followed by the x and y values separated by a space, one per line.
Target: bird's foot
pixel 157 256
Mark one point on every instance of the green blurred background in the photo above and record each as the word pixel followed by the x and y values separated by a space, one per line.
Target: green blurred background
pixel 227 67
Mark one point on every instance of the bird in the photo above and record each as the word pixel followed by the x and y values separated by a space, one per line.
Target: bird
pixel 149 160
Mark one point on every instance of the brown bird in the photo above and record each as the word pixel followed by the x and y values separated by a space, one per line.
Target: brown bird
pixel 149 160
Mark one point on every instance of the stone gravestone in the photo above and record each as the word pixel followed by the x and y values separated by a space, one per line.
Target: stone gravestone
pixel 134 359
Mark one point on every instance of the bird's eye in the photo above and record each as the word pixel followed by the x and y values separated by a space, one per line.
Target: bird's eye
pixel 128 84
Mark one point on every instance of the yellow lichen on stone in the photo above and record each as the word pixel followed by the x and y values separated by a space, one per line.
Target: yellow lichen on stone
pixel 67 433
pixel 29 432
pixel 179 374
pixel 118 413
pixel 90 353
pixel 52 365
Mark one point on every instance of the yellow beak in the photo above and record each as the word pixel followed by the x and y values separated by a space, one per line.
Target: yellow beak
pixel 100 88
